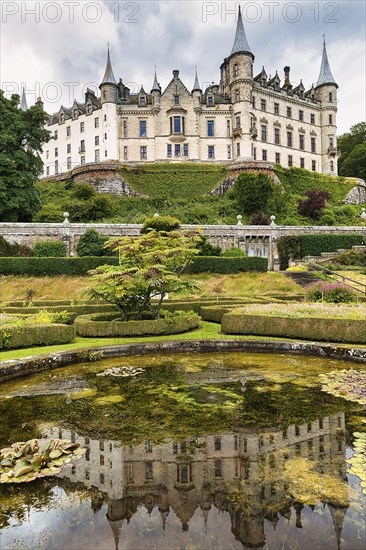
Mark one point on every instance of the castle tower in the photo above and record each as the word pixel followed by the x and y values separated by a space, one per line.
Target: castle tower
pixel 326 93
pixel 237 83
pixel 156 94
pixel 196 92
pixel 109 91
pixel 23 102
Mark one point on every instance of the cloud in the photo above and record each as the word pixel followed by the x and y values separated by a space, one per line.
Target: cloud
pixel 178 34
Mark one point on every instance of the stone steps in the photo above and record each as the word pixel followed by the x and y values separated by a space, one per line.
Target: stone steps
pixel 302 278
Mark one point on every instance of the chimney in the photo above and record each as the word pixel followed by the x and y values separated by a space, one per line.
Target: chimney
pixel 287 76
pixel 175 74
pixel 39 103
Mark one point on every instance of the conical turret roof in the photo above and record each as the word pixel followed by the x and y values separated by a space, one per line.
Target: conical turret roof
pixel 23 102
pixel 108 77
pixel 325 74
pixel 196 85
pixel 155 86
pixel 240 42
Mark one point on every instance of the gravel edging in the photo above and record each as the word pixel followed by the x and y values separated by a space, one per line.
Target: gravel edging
pixel 28 365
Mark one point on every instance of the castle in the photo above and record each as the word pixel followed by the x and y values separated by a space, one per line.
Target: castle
pixel 244 118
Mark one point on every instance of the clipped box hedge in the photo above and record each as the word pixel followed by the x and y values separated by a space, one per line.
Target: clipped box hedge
pixel 214 313
pixel 305 328
pixel 218 264
pixel 74 311
pixel 106 325
pixel 314 245
pixel 26 336
pixel 39 267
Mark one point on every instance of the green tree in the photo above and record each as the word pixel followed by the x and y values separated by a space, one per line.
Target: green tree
pixel 86 205
pixel 160 223
pixel 355 163
pixel 92 243
pixel 252 192
pixel 22 134
pixel 346 144
pixel 150 267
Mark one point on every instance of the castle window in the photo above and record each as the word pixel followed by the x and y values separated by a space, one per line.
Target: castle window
pixel 142 128
pixel 330 97
pixel 82 160
pixel 255 153
pixel 56 166
pixel 185 150
pixel 278 158
pixel 313 145
pixel 124 128
pixel 210 128
pixel 263 104
pixel 253 101
pixel 290 163
pixel 62 118
pixel 148 446
pixel 177 150
pixel 68 148
pixel 169 150
pixel 218 468
pixel 276 108
pixel 47 154
pixel 149 470
pixel 89 109
pixel 68 131
pixel 184 473
pixel 236 442
pixel 264 154
pixel 236 69
pixel 96 122
pixel 238 149
pixel 312 118
pixel 96 140
pixel 76 113
pixel 143 152
pixel 331 166
pixel 237 95
pixel 237 120
pixel 47 171
pixel 105 137
pixel 56 151
pixel 313 165
pixel 277 136
pixel 82 126
pixel 301 115
pixel 289 112
pixel 105 118
pixel 177 124
pixel 229 152
pixel 264 132
pixel 228 127
pixel 56 134
pixel 211 151
pixel 97 155
pixel 142 101
pixel 330 119
pixel 301 142
pixel 289 139
pixel 217 443
pixel 105 153
pixel 82 146
pixel 176 100
pixel 210 100
pixel 125 152
pixel 331 141
pixel 302 162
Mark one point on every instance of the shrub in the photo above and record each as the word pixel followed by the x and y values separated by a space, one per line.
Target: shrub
pixel 25 336
pixel 211 264
pixel 214 313
pixel 234 253
pixel 330 292
pixel 288 246
pixel 351 257
pixel 109 325
pixel 7 249
pixel 39 267
pixel 314 245
pixel 43 316
pixel 160 223
pixel 313 206
pixel 50 249
pixel 91 243
pixel 207 249
pixel 259 219
pixel 49 214
pixel 60 313
pixel 252 191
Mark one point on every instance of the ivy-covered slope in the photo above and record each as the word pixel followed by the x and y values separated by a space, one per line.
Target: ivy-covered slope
pixel 165 180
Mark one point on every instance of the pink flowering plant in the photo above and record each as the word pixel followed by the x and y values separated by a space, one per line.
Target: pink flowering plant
pixel 330 292
pixel 297 310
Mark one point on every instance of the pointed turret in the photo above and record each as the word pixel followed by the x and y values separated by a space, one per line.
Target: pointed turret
pixel 156 85
pixel 196 85
pixel 23 103
pixel 240 43
pixel 325 74
pixel 108 77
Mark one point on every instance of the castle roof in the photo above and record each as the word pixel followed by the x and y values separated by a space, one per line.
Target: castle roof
pixel 108 77
pixel 23 103
pixel 325 74
pixel 240 42
pixel 155 86
pixel 196 85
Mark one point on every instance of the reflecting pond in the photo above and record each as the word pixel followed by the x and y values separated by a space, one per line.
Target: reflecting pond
pixel 207 451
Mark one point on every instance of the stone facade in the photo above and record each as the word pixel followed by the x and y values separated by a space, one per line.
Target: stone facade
pixel 243 118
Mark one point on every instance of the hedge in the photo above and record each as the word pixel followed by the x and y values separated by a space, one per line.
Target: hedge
pixel 214 313
pixel 43 304
pixel 313 245
pixel 327 330
pixel 74 311
pixel 52 266
pixel 106 325
pixel 197 305
pixel 218 264
pixel 26 336
pixel 47 249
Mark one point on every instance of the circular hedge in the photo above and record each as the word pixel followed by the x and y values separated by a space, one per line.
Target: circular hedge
pixel 108 325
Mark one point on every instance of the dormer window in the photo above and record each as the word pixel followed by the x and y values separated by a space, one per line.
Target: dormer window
pixel 62 118
pixel 76 113
pixel 142 101
pixel 210 100
pixel 89 109
pixel 176 100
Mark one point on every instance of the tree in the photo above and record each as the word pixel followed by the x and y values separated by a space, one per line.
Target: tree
pixel 91 243
pixel 160 223
pixel 346 144
pixel 252 192
pixel 150 267
pixel 86 205
pixel 22 135
pixel 355 163
pixel 313 206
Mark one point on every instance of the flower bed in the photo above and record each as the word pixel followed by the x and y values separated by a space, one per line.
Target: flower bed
pixel 326 322
pixel 108 325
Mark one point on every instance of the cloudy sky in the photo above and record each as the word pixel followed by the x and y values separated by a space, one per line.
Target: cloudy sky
pixel 57 47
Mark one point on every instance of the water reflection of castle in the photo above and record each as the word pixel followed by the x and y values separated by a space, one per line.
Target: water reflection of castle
pixel 208 471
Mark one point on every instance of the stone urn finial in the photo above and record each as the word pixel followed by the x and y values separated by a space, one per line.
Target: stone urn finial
pixel 66 218
pixel 156 215
pixel 363 215
pixel 272 218
pixel 239 218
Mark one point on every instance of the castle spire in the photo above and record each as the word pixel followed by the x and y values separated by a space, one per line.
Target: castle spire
pixel 155 86
pixel 240 43
pixel 108 77
pixel 325 74
pixel 23 103
pixel 196 85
